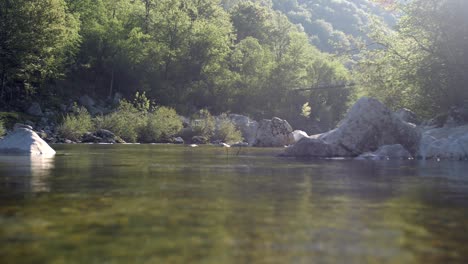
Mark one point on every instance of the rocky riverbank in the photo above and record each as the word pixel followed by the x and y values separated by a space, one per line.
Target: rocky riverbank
pixel 45 122
pixel 372 131
pixel 369 131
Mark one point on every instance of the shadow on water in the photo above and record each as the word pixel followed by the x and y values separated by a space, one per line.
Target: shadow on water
pixel 173 204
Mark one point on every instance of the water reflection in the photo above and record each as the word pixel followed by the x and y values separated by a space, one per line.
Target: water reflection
pixel 26 173
pixel 170 204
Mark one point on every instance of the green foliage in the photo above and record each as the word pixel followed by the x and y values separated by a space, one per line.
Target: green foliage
pixel 11 118
pixel 39 38
pixel 161 125
pixel 250 20
pixel 75 125
pixel 247 58
pixel 306 110
pixel 204 124
pixel 126 122
pixel 142 103
pixel 227 131
pixel 419 64
pixel 334 26
pixel 2 128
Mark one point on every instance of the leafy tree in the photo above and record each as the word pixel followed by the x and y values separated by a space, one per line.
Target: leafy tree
pixel 250 20
pixel 38 39
pixel 420 65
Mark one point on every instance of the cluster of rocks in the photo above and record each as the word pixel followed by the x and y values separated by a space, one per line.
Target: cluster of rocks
pixel 371 131
pixel 273 132
pixel 45 119
pixel 101 136
pixel 266 133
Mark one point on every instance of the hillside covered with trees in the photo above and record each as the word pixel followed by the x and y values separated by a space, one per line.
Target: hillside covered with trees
pixel 185 54
pixel 247 57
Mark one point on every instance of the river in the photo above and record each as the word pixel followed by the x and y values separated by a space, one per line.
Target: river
pixel 176 204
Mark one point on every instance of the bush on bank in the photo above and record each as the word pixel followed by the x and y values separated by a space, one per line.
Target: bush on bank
pixel 75 125
pixel 141 121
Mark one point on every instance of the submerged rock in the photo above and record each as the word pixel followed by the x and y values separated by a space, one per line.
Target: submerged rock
pixel 25 141
pixel 396 151
pixel 367 126
pixel 274 133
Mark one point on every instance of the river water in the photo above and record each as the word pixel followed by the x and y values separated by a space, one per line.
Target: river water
pixel 175 204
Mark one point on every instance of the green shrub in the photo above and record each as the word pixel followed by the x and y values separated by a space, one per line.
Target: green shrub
pixel 75 125
pixel 2 129
pixel 227 131
pixel 203 124
pixel 162 124
pixel 126 122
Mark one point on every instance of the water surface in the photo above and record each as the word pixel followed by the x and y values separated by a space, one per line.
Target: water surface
pixel 174 204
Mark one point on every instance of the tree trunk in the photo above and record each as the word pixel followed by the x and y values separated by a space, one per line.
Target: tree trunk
pixel 111 87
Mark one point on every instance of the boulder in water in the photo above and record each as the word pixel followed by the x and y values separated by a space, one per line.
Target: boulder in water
pixel 444 143
pixel 367 126
pixel 274 133
pixel 23 140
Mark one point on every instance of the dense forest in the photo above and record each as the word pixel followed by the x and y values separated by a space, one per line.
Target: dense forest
pixel 257 58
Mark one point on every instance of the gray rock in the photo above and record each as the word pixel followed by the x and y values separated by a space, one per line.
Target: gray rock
pixel 199 140
pixel 35 110
pixel 86 101
pixel 246 126
pixel 42 134
pixel 29 123
pixel 408 116
pixel 63 108
pixel 298 135
pixel 312 147
pixel 396 151
pixel 104 133
pixel 367 126
pixel 444 143
pixel 274 133
pixel 25 141
pixel 240 144
pixel 117 98
pixel 178 140
pixel 101 136
pixel 19 125
pixel 89 137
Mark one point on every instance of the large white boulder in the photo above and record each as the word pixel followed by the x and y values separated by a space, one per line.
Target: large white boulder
pixel 25 141
pixel 274 133
pixel 298 135
pixel 367 126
